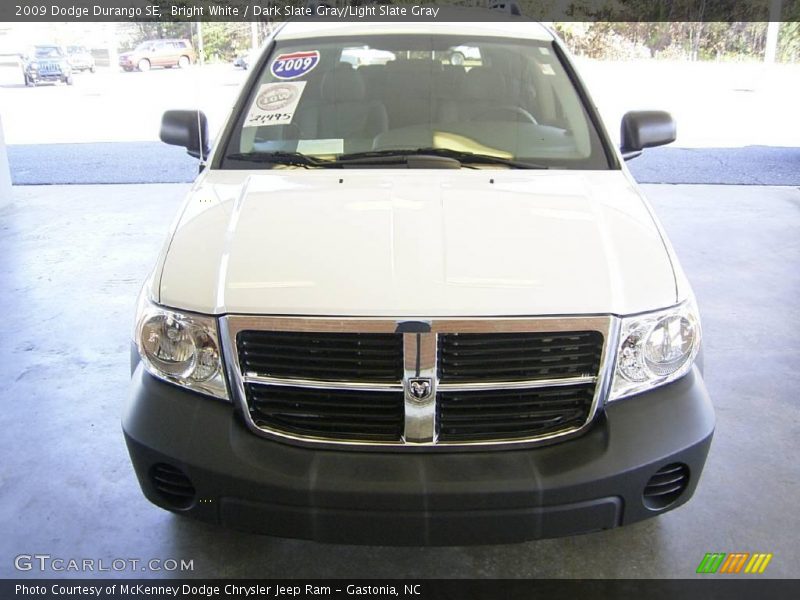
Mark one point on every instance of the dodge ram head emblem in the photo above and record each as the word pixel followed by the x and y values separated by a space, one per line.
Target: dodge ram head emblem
pixel 420 389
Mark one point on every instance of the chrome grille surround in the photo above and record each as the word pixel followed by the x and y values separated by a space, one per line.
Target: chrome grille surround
pixel 420 353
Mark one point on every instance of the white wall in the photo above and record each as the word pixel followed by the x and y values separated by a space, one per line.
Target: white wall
pixel 5 172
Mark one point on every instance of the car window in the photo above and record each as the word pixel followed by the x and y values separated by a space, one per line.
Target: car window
pixel 48 52
pixel 504 97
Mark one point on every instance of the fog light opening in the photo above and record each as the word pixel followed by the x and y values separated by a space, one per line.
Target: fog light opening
pixel 666 486
pixel 173 485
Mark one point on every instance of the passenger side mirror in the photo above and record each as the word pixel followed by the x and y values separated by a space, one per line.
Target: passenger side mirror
pixel 644 129
pixel 187 128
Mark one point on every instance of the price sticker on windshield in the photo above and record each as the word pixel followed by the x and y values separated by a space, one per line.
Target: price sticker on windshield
pixel 294 65
pixel 275 104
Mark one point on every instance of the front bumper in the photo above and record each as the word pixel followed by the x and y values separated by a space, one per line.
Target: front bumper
pixel 399 498
pixel 37 76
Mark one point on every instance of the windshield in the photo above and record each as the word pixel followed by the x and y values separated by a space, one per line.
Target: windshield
pixel 505 98
pixel 145 46
pixel 48 52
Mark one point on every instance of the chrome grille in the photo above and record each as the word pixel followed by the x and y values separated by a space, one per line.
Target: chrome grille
pixel 440 383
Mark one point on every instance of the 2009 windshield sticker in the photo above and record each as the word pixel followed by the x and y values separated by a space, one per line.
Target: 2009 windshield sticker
pixel 294 65
pixel 275 104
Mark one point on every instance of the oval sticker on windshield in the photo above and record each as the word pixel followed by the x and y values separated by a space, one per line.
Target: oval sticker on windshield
pixel 296 64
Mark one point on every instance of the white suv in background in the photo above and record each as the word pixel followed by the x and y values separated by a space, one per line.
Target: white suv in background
pixel 417 302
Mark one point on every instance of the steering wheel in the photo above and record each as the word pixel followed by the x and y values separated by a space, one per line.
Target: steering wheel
pixel 516 110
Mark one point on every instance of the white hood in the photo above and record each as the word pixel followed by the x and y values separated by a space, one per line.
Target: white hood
pixel 416 243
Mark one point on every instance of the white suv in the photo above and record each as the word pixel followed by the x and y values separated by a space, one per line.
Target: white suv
pixel 417 302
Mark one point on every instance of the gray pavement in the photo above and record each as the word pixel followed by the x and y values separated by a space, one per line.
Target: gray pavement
pixel 101 162
pixel 71 262
pixel 154 162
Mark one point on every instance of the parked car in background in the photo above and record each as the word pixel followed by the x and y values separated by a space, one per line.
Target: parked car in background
pixel 244 60
pixel 46 63
pixel 364 56
pixel 461 54
pixel 80 59
pixel 158 53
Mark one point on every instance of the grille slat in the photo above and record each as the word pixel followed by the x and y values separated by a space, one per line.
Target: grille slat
pixel 473 357
pixel 479 347
pixel 323 374
pixel 665 479
pixel 176 490
pixel 487 418
pixel 275 360
pixel 278 403
pixel 520 356
pixel 328 351
pixel 318 412
pixel 324 422
pixel 510 373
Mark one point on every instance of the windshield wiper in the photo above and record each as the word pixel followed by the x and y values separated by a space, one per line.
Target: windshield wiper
pixel 376 157
pixel 483 159
pixel 296 159
pixel 412 159
pixel 463 157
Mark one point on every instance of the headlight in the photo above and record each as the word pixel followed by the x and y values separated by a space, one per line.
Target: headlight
pixel 656 348
pixel 181 348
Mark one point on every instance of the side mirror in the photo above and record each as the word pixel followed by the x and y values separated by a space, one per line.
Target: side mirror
pixel 187 128
pixel 644 129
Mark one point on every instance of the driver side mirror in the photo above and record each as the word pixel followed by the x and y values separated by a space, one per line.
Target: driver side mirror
pixel 187 128
pixel 644 129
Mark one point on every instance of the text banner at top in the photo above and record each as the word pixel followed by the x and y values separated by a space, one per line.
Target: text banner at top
pixel 398 10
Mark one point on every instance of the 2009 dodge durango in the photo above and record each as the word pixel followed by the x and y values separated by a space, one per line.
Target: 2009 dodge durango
pixel 417 300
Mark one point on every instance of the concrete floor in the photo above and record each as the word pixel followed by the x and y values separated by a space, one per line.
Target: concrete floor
pixel 72 259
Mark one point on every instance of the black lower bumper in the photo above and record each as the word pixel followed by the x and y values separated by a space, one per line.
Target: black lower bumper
pixel 46 77
pixel 398 498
